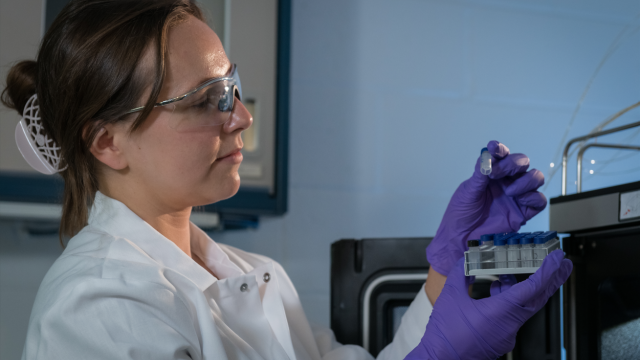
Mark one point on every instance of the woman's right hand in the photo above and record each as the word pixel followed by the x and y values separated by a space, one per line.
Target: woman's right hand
pixel 463 328
pixel 500 202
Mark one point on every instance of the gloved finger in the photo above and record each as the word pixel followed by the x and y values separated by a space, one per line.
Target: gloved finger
pixel 502 285
pixel 562 275
pixel 527 182
pixel 537 284
pixel 507 281
pixel 495 288
pixel 497 150
pixel 532 199
pixel 509 166
pixel 531 204
pixel 479 182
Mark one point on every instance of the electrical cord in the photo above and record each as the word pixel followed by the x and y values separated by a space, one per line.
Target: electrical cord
pixel 624 34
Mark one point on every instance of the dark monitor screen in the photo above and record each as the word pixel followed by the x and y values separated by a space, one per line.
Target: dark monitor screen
pixel 395 306
pixel 619 318
pixel 396 316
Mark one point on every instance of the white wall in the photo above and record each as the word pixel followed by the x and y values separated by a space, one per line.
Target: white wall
pixel 20 34
pixel 391 102
pixel 24 260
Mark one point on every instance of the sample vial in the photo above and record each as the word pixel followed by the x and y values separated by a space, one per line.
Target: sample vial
pixel 486 252
pixel 485 162
pixel 526 251
pixel 540 246
pixel 487 239
pixel 500 252
pixel 513 251
pixel 473 256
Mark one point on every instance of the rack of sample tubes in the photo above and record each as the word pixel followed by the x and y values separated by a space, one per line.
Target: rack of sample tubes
pixel 509 253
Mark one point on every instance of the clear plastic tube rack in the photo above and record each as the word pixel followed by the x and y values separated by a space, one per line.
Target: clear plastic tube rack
pixel 509 253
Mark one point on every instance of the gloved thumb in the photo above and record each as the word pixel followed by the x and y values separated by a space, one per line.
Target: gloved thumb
pixel 502 285
pixel 456 278
pixel 478 182
pixel 536 290
pixel 498 150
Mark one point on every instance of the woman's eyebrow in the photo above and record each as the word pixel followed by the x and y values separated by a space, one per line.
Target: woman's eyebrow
pixel 204 80
pixel 185 90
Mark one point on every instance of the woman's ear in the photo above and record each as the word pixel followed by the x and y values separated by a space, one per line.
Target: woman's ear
pixel 105 147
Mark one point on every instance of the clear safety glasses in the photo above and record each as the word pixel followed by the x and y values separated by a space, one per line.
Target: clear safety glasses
pixel 209 104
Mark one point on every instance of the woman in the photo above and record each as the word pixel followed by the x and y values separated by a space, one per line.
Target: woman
pixel 146 110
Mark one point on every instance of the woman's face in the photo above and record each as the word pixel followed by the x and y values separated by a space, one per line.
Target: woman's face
pixel 197 167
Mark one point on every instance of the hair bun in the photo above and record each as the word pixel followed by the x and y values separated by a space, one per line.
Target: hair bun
pixel 21 85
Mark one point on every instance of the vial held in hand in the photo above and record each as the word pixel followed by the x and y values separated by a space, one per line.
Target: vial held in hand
pixel 485 162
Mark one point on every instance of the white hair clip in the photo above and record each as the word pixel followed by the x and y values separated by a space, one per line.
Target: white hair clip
pixel 40 151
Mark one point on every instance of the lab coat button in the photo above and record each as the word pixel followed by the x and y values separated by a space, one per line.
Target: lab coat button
pixel 244 287
pixel 266 277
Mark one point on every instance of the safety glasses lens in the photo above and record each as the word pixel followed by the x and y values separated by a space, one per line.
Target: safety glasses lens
pixel 210 106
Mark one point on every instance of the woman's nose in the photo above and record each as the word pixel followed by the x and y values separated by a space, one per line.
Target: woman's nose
pixel 241 119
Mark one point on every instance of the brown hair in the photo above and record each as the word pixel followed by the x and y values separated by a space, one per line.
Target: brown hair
pixel 88 74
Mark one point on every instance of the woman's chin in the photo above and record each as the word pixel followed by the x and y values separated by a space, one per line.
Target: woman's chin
pixel 219 193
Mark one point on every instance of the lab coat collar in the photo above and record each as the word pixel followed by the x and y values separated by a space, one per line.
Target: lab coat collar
pixel 213 256
pixel 115 218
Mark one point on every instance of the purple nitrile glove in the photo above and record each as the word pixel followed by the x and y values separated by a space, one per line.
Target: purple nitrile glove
pixel 503 201
pixel 463 328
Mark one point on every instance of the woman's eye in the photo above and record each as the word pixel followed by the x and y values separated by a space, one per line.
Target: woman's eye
pixel 200 104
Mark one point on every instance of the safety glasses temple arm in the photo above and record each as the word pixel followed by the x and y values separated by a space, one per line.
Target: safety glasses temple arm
pixel 234 77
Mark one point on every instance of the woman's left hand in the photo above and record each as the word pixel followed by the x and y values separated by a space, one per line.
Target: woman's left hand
pixel 463 328
pixel 503 201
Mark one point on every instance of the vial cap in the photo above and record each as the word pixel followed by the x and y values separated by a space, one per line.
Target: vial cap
pixel 539 240
pixel 487 237
pixel 526 240
pixel 546 236
pixel 551 234
pixel 500 242
pixel 506 236
pixel 514 240
pixel 502 235
pixel 473 243
pixel 483 150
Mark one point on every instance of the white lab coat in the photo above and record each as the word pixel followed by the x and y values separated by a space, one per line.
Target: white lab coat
pixel 121 290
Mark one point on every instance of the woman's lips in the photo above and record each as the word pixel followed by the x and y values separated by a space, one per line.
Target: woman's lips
pixel 235 157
